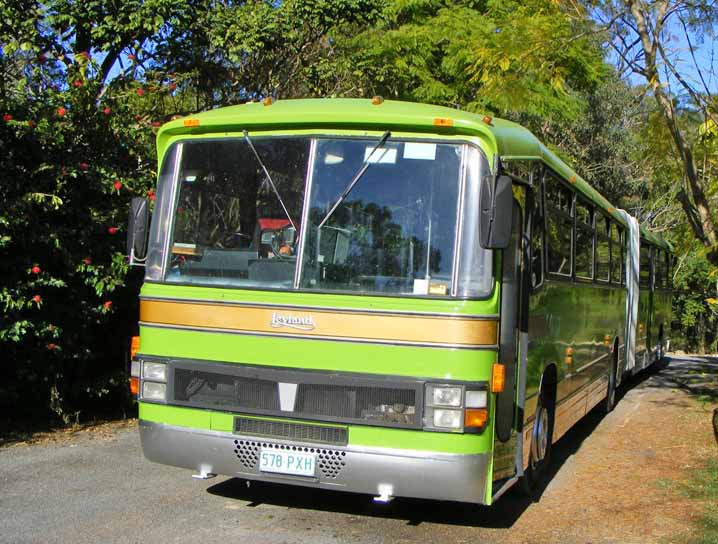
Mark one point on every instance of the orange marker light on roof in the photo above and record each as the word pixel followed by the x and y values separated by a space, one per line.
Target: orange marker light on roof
pixel 498 378
pixel 443 122
pixel 573 179
pixel 191 122
pixel 487 119
pixel 376 100
pixel 268 101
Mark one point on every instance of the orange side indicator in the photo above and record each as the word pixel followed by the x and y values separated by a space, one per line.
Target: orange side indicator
pixel 134 346
pixel 443 122
pixel 191 122
pixel 498 378
pixel 135 385
pixel 475 417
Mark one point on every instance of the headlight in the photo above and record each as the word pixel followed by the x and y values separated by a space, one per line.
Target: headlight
pixel 476 399
pixel 154 371
pixel 154 391
pixel 444 396
pixel 448 419
pixel 456 407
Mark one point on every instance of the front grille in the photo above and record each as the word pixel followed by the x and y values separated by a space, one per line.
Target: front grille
pixel 330 462
pixel 300 432
pixel 308 395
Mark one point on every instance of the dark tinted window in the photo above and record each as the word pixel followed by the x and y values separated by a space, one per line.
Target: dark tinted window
pixel 537 227
pixel 584 240
pixel 618 259
pixel 645 271
pixel 559 225
pixel 603 252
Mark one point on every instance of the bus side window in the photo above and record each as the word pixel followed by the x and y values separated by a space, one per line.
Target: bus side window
pixel 584 240
pixel 603 254
pixel 537 228
pixel 645 264
pixel 658 266
pixel 559 225
pixel 617 255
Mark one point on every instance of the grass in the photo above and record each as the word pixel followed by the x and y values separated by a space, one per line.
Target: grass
pixel 703 487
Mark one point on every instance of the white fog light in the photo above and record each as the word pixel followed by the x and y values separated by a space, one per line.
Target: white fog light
pixel 154 391
pixel 154 371
pixel 445 396
pixel 135 369
pixel 448 419
pixel 476 399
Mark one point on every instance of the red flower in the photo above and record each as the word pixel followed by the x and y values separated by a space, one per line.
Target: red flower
pixel 35 269
pixel 7 117
pixel 51 346
pixel 118 184
pixel 87 261
pixel 151 194
pixel 61 111
pixel 140 92
pixel 172 86
pixel 37 299
pixel 84 166
pixel 77 83
pixel 31 124
pixel 112 230
pixel 138 118
pixel 107 111
pixel 107 305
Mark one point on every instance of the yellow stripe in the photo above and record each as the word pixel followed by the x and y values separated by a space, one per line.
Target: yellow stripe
pixel 322 323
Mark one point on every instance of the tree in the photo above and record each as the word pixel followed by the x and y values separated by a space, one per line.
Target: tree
pixel 641 33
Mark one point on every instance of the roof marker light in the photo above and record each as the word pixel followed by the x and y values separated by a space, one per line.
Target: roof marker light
pixel 191 122
pixel 487 119
pixel 376 100
pixel 573 179
pixel 268 101
pixel 443 122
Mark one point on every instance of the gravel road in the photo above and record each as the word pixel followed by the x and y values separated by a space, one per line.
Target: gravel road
pixel 97 487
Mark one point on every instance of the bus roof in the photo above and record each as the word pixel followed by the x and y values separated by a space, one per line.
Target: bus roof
pixel 509 140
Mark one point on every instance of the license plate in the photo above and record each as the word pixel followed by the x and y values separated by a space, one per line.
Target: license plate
pixel 287 462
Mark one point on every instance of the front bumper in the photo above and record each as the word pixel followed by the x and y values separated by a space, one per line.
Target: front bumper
pixel 375 471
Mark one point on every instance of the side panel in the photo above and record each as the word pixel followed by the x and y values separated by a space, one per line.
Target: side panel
pixel 572 325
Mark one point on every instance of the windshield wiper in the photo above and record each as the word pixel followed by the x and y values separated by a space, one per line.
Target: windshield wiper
pixel 269 178
pixel 354 180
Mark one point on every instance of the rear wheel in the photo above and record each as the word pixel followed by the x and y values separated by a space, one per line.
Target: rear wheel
pixel 541 445
pixel 610 402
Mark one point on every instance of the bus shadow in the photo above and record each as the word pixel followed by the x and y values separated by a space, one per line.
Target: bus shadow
pixel 502 515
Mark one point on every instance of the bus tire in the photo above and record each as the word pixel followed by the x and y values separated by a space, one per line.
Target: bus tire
pixel 541 445
pixel 610 402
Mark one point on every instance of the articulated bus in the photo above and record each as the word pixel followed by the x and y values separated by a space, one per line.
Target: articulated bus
pixel 381 297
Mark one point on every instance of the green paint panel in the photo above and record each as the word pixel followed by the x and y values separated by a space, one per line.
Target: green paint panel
pixel 325 300
pixel 438 363
pixel 358 435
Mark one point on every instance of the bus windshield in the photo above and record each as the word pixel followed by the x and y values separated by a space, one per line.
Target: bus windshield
pixel 394 233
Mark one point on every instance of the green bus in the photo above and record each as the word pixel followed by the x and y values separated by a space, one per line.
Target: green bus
pixel 380 297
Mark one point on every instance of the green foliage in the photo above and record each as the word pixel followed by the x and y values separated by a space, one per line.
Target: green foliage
pixel 508 58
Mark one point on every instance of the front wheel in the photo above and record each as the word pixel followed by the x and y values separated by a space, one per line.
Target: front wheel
pixel 541 445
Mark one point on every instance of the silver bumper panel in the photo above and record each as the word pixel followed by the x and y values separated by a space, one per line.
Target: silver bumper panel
pixel 374 471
